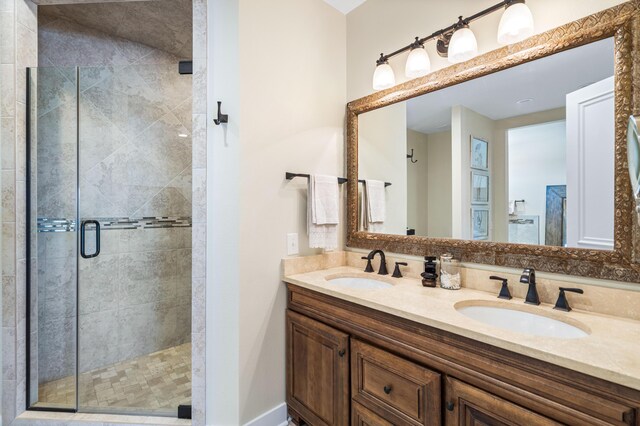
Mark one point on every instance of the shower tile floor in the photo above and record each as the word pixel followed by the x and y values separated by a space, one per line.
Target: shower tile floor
pixel 161 380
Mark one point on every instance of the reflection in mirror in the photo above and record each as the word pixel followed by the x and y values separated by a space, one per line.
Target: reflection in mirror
pixel 524 155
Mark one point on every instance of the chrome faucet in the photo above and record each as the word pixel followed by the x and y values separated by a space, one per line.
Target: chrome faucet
pixel 529 277
pixel 383 261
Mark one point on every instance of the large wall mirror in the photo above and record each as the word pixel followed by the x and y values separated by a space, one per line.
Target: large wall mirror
pixel 524 155
pixel 515 158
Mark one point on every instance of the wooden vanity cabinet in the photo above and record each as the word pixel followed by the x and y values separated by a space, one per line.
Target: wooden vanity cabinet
pixel 467 405
pixel 317 372
pixel 347 363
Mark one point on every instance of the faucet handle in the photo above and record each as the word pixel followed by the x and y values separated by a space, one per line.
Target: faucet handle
pixel 396 271
pixel 504 291
pixel 562 304
pixel 369 267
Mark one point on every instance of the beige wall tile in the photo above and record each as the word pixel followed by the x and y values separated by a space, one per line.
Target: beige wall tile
pixel 27 14
pixel 7 38
pixel 8 196
pixel 8 129
pixel 8 249
pixel 7 91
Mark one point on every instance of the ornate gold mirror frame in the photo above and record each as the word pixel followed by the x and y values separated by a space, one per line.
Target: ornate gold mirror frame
pixel 623 24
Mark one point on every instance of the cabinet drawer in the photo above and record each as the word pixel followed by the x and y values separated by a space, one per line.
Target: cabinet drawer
pixel 361 416
pixel 396 389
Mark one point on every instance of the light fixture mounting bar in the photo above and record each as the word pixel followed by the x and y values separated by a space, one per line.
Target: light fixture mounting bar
pixel 461 21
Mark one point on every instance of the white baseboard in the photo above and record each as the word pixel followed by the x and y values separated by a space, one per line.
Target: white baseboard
pixel 277 416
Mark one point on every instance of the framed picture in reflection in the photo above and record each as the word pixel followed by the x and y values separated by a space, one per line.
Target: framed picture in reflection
pixel 479 187
pixel 479 153
pixel 480 223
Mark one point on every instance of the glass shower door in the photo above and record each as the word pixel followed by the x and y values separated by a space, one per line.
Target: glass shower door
pixel 134 262
pixel 109 282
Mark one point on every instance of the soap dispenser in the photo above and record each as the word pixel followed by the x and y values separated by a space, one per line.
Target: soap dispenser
pixel 429 276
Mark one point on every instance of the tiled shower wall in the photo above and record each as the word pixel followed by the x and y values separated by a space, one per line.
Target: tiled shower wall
pixel 18 50
pixel 134 119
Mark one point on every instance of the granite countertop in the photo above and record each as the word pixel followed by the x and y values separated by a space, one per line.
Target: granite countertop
pixel 611 351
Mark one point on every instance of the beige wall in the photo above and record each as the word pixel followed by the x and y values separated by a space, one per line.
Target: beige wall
pixel 281 77
pixel 440 191
pixel 384 26
pixel 382 146
pixel 418 182
pixel 429 184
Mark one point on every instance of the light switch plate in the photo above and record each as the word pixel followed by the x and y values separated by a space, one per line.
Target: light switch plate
pixel 292 244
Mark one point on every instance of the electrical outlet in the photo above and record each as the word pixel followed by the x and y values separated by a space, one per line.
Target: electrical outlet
pixel 292 244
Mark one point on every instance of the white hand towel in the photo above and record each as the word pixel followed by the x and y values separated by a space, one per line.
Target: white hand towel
pixel 322 206
pixel 325 207
pixel 512 207
pixel 376 201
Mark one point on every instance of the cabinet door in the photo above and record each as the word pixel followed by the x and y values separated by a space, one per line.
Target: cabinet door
pixel 466 405
pixel 360 416
pixel 317 371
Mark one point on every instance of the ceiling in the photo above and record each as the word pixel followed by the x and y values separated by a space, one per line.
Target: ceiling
pixel 545 82
pixel 345 6
pixel 162 24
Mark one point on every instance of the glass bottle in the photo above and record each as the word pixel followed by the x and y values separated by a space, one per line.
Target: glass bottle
pixel 450 277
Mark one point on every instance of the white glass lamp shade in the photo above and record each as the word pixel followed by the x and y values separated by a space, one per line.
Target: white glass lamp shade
pixel 463 46
pixel 383 77
pixel 418 63
pixel 516 24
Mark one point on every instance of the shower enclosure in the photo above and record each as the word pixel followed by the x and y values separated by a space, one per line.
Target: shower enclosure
pixel 109 239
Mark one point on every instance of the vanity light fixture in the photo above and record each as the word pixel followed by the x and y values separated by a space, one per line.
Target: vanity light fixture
pixel 383 76
pixel 516 23
pixel 418 62
pixel 463 45
pixel 457 42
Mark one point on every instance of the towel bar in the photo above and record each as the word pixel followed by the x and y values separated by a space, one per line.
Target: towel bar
pixel 341 180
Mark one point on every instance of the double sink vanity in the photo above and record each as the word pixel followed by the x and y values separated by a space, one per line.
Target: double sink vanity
pixel 369 349
pixel 519 159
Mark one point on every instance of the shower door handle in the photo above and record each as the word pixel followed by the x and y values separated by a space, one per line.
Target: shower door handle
pixel 82 238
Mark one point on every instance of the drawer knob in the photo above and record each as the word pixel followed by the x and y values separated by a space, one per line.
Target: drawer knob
pixel 341 352
pixel 450 406
pixel 387 389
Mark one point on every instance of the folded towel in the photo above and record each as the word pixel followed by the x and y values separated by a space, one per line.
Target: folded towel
pixel 325 204
pixel 373 206
pixel 323 212
pixel 512 207
pixel 376 201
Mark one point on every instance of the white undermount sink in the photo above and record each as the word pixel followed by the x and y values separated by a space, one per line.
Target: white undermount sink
pixel 521 321
pixel 359 283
